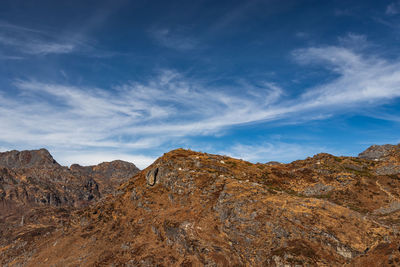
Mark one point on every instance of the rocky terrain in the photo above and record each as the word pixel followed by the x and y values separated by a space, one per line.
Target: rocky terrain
pixel 34 177
pixel 38 194
pixel 197 209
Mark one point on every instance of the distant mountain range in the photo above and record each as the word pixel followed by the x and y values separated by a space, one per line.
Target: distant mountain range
pixel 34 177
pixel 198 209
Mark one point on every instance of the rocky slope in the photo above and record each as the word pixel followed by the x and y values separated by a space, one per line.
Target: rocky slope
pixel 38 195
pixel 34 177
pixel 198 209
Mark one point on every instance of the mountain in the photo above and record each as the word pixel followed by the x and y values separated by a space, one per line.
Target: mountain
pixel 27 159
pixel 33 177
pixel 37 193
pixel 198 209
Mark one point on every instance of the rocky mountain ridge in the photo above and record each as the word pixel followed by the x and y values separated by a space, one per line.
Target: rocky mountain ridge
pixel 38 194
pixel 26 159
pixel 197 209
pixel 33 177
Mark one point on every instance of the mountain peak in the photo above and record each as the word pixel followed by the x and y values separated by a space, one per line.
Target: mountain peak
pixel 27 158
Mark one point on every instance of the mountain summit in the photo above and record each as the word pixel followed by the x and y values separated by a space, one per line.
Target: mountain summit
pixel 26 159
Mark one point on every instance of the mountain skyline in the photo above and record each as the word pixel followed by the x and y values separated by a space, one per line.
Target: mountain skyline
pixel 192 209
pixel 258 80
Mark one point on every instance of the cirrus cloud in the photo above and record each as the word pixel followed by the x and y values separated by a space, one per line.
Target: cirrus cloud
pixel 156 114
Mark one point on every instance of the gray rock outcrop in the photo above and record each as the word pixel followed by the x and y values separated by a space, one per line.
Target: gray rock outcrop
pixel 377 152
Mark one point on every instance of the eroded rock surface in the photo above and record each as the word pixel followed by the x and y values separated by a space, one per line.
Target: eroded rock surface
pixel 377 152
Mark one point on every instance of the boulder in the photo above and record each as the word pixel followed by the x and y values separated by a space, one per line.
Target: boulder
pixel 151 177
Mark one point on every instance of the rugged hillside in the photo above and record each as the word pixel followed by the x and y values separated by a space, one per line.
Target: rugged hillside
pixel 198 209
pixel 38 195
pixel 34 177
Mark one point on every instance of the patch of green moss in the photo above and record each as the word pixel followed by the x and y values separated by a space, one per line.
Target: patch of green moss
pixel 338 159
pixel 356 208
pixel 325 196
pixel 272 191
pixel 359 173
pixel 231 163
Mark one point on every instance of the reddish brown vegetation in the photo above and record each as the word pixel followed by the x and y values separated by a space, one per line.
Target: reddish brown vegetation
pixel 195 209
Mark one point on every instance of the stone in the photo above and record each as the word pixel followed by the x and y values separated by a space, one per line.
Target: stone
pixel 343 251
pixel 392 207
pixel 151 177
pixel 317 189
pixel 134 196
pixel 390 169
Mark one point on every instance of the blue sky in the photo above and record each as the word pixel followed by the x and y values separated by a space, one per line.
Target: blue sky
pixel 258 80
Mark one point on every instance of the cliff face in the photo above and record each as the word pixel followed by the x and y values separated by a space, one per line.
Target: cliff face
pixel 108 175
pixel 27 159
pixel 195 209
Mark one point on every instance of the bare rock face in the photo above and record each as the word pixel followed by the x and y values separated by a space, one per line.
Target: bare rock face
pixel 317 190
pixel 387 158
pixel 27 159
pixel 108 175
pixel 377 152
pixel 151 176
pixel 389 169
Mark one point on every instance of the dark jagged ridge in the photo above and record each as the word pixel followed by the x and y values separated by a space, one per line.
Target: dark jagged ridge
pixel 33 177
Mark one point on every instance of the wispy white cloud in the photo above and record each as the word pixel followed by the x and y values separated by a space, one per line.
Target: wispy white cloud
pixel 393 8
pixel 354 41
pixel 343 12
pixel 175 39
pixel 34 42
pixel 40 48
pixel 170 105
pixel 233 15
pixel 160 112
pixel 361 78
pixel 302 35
pixel 16 28
pixel 272 151
pixel 6 57
pixel 23 41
